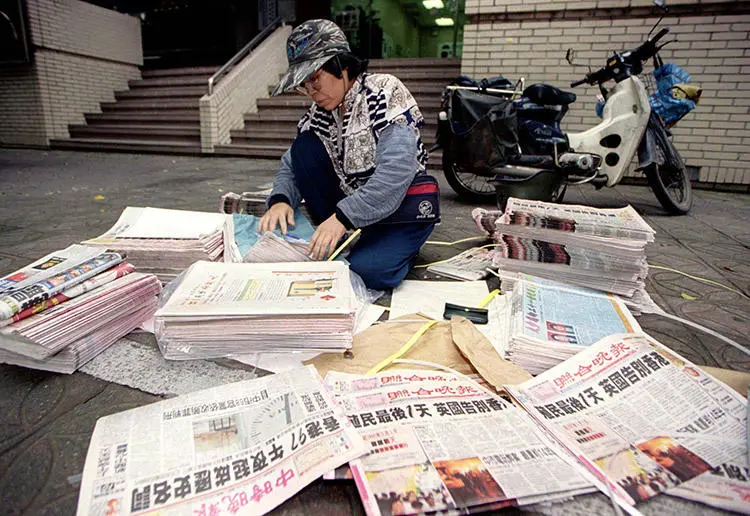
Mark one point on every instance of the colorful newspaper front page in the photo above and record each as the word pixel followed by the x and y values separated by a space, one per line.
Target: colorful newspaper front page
pixel 438 441
pixel 47 266
pixel 242 448
pixel 638 415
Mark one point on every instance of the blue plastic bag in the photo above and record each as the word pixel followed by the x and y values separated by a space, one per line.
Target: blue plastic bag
pixel 670 109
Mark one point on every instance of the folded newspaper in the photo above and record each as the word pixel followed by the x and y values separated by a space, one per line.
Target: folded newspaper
pixel 470 265
pixel 641 418
pixel 243 242
pixel 546 322
pixel 69 306
pixel 240 448
pixel 439 442
pixel 221 309
pixel 597 248
pixel 165 242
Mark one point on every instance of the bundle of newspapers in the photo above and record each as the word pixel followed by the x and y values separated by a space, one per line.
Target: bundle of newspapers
pixel 221 309
pixel 64 309
pixel 644 421
pixel 470 265
pixel 241 448
pixel 545 323
pixel 244 243
pixel 439 442
pixel 603 249
pixel 165 242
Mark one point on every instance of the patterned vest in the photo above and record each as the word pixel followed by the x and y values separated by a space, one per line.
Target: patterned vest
pixel 373 102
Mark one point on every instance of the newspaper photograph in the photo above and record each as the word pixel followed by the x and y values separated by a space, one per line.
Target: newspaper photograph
pixel 639 416
pixel 242 447
pixel 438 441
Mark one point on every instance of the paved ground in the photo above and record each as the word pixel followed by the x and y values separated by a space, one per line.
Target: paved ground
pixel 49 200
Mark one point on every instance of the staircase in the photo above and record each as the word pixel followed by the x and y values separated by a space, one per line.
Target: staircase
pixel 158 114
pixel 269 132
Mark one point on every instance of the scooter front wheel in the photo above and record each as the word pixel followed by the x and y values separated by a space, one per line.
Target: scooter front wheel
pixel 669 180
pixel 469 186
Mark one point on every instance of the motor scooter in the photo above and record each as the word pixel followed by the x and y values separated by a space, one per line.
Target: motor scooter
pixel 504 143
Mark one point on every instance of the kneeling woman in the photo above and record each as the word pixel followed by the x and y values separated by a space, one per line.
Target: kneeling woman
pixel 357 160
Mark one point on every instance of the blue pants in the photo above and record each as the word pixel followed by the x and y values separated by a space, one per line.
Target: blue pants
pixel 385 252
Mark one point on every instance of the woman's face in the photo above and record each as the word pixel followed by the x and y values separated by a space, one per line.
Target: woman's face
pixel 326 90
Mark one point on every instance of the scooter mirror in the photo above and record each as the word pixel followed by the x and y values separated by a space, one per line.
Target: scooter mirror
pixel 661 4
pixel 570 56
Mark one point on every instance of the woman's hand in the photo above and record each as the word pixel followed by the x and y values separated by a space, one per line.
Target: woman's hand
pixel 280 213
pixel 323 241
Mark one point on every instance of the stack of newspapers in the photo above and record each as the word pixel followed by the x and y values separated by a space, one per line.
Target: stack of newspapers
pixel 64 309
pixel 221 309
pixel 165 242
pixel 546 322
pixel 470 265
pixel 603 249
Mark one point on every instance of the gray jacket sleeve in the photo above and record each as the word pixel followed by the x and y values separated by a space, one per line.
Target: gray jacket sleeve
pixel 395 168
pixel 284 184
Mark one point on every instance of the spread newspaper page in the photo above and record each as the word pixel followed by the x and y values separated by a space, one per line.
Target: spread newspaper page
pixel 239 448
pixel 642 418
pixel 439 441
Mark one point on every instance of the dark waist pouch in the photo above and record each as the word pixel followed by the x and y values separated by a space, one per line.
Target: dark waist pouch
pixel 421 204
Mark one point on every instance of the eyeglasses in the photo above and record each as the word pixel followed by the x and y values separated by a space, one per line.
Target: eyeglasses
pixel 310 86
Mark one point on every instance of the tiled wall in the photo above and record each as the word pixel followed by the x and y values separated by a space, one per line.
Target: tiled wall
pixel 83 53
pixel 529 38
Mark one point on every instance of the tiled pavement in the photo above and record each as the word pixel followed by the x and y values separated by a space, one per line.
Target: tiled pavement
pixel 49 200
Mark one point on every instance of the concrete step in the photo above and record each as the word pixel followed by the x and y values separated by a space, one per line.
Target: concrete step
pixel 118 145
pixel 272 121
pixel 136 132
pixel 193 92
pixel 135 117
pixel 178 72
pixel 407 62
pixel 300 102
pixel 251 151
pixel 187 80
pixel 434 163
pixel 242 138
pixel 151 104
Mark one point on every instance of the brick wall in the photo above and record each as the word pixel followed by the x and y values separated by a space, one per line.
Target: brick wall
pixel 83 53
pixel 237 93
pixel 529 38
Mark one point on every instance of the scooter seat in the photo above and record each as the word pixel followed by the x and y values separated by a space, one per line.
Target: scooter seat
pixel 548 95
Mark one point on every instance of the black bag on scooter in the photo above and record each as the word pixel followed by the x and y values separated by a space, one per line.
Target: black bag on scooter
pixel 484 132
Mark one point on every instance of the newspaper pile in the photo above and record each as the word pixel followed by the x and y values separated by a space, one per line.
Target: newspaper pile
pixel 546 322
pixel 242 448
pixel 643 419
pixel 470 265
pixel 243 243
pixel 439 442
pixel 252 203
pixel 165 242
pixel 221 309
pixel 64 309
pixel 603 249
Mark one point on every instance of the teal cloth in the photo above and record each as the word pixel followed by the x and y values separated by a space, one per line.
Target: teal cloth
pixel 246 230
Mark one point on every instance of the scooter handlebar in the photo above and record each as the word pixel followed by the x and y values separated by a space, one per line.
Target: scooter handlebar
pixel 578 83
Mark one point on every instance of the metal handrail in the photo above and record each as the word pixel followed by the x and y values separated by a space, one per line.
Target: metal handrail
pixel 243 52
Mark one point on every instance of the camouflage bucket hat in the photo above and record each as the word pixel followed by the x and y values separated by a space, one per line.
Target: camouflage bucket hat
pixel 308 47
